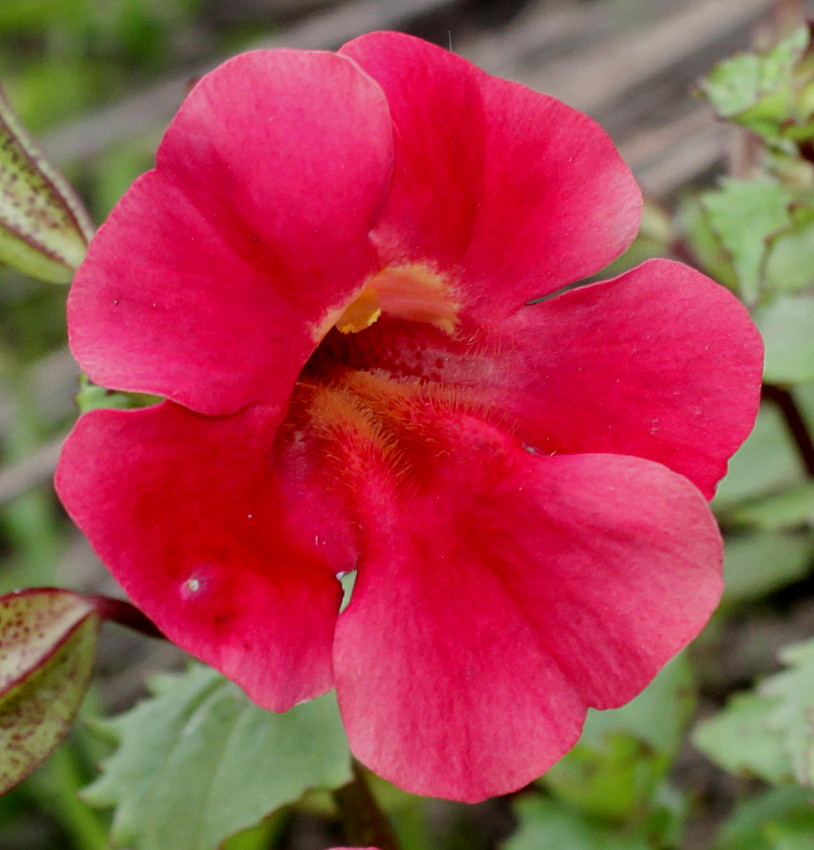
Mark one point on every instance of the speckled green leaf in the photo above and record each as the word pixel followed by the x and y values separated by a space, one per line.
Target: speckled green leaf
pixel 199 762
pixel 47 647
pixel 44 230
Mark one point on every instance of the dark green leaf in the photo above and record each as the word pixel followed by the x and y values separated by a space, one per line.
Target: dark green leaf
pixel 624 753
pixel 199 762
pixel 552 825
pixel 758 563
pixel 755 822
pixel 788 509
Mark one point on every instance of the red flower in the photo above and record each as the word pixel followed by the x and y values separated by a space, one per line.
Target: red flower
pixel 329 276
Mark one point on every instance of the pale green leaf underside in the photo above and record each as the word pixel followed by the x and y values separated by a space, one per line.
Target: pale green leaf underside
pixel 744 214
pixel 741 739
pixel 786 325
pixel 199 762
pixel 793 694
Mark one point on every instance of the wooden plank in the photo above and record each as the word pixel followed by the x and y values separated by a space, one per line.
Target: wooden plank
pixel 131 117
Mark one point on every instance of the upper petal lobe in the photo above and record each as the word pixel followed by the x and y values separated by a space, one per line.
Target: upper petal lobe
pixel 209 282
pixel 510 191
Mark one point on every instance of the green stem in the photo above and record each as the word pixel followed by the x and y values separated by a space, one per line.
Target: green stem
pixel 30 517
pixel 364 824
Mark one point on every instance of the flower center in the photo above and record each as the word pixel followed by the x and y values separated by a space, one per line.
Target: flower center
pixel 413 292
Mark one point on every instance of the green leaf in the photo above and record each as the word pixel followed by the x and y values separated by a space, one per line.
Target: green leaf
pixel 758 563
pixel 767 461
pixel 790 263
pixel 789 509
pixel 624 753
pixel 755 823
pixel 44 230
pixel 657 717
pixel 47 648
pixel 705 243
pixel 741 739
pixel 199 762
pixel 804 398
pixel 793 716
pixel 757 90
pixel 93 397
pixel 786 325
pixel 547 824
pixel 744 214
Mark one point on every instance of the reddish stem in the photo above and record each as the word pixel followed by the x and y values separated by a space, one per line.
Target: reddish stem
pixel 125 614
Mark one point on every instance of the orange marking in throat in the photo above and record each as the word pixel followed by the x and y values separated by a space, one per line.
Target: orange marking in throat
pixel 361 313
pixel 413 292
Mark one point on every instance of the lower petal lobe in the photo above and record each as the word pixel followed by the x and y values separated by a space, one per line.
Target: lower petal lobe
pixel 218 536
pixel 505 594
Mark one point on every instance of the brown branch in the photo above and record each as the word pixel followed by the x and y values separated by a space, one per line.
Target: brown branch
pixel 364 824
pixel 798 429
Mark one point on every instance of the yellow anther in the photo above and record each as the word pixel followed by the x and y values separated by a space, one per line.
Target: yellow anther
pixel 361 313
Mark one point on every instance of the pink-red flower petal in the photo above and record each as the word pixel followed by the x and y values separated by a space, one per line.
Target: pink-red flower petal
pixel 509 191
pixel 505 597
pixel 660 363
pixel 222 538
pixel 210 280
pixel 518 484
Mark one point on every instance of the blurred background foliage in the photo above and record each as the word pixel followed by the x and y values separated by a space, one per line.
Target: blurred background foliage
pixel 718 752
